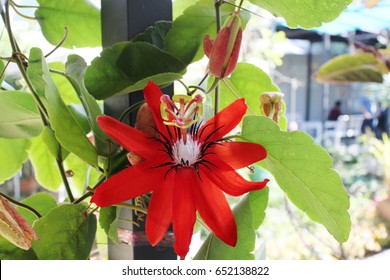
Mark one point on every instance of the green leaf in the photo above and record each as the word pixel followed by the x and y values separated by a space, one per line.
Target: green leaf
pixel 305 14
pixel 249 213
pixel 82 174
pixel 303 170
pixel 108 219
pixel 155 34
pixel 359 67
pixel 247 81
pixel 67 232
pixel 42 157
pixel 185 39
pixel 178 7
pixel 80 17
pixel 13 153
pixel 121 66
pixel 43 203
pixel 66 129
pixel 19 116
pixel 75 71
pixel 65 88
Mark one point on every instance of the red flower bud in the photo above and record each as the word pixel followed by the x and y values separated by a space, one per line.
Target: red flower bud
pixel 14 227
pixel 223 52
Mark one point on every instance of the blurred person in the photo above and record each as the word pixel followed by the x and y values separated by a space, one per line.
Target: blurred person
pixel 365 108
pixel 335 112
pixel 382 124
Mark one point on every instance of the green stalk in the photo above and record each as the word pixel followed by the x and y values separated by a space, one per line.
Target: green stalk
pixel 217 5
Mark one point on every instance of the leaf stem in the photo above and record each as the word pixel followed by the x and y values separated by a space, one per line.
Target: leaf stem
pixel 25 206
pixel 60 164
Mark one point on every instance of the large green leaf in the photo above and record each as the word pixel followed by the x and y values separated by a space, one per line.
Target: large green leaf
pixel 75 71
pixel 66 129
pixel 120 67
pixel 42 156
pixel 303 170
pixel 249 214
pixel 67 232
pixel 304 13
pixel 359 67
pixel 13 153
pixel 43 203
pixel 247 81
pixel 185 39
pixel 80 17
pixel 19 116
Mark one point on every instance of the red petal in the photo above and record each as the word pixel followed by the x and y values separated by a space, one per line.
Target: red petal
pixel 160 210
pixel 153 95
pixel 184 212
pixel 228 180
pixel 234 56
pixel 215 211
pixel 127 184
pixel 239 154
pixel 207 45
pixel 129 138
pixel 224 122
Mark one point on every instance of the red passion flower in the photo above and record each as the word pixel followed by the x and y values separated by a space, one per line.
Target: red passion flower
pixel 188 168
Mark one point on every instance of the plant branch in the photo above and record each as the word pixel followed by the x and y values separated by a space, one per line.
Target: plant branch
pixel 60 165
pixel 89 191
pixel 25 206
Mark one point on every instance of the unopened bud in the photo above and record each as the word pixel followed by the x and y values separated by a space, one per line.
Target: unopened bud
pixel 14 227
pixel 223 52
pixel 271 104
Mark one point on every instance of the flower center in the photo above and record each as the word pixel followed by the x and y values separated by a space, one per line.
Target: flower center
pixel 186 153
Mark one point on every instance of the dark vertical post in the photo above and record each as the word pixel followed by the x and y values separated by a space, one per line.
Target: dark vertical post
pixel 309 81
pixel 121 21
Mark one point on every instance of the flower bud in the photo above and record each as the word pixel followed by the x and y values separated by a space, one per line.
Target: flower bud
pixel 223 52
pixel 14 227
pixel 271 104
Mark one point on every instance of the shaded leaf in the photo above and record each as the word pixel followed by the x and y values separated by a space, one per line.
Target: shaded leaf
pixel 155 34
pixel 185 39
pixel 359 67
pixel 67 232
pixel 19 116
pixel 43 203
pixel 303 170
pixel 121 66
pixel 66 129
pixel 43 160
pixel 108 220
pixel 75 71
pixel 305 14
pixel 13 153
pixel 80 17
pixel 249 213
